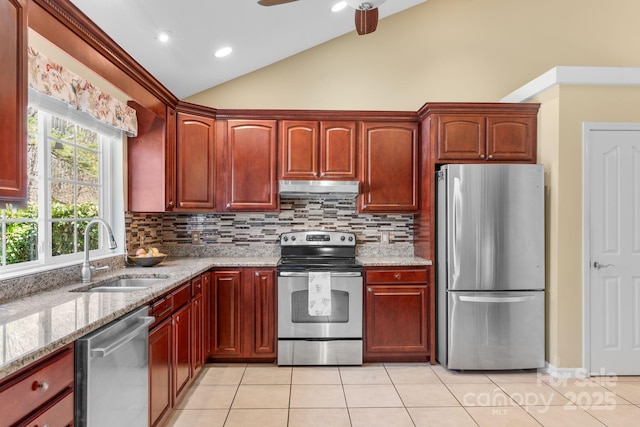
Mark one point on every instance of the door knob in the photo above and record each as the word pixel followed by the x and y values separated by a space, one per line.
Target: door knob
pixel 599 266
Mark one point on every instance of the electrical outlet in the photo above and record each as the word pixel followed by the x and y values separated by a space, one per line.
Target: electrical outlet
pixel 384 237
pixel 195 238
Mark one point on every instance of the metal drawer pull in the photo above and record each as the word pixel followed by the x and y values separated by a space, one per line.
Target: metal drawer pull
pixel 397 276
pixel 44 386
pixel 497 299
pixel 333 274
pixel 116 344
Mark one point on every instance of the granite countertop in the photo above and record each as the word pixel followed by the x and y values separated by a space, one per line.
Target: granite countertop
pixel 33 326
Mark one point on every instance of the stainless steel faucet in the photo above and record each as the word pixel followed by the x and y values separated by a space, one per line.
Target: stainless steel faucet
pixel 87 268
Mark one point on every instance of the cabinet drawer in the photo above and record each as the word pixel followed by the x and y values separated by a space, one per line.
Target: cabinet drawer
pixel 396 276
pixel 196 286
pixel 161 309
pixel 182 296
pixel 60 414
pixel 38 384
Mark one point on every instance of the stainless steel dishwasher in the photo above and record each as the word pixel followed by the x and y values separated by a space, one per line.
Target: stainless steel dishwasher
pixel 112 376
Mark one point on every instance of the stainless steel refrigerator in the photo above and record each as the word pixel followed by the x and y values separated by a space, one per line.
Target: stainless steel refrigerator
pixel 490 266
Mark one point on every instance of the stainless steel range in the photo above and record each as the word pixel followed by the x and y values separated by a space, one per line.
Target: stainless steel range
pixel 319 299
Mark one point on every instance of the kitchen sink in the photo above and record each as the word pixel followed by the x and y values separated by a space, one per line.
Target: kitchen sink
pixel 124 284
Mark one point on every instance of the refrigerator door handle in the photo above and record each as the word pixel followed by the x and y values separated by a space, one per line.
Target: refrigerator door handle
pixel 496 299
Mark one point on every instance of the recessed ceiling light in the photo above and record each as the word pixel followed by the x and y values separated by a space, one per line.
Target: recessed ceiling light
pixel 224 51
pixel 164 36
pixel 339 6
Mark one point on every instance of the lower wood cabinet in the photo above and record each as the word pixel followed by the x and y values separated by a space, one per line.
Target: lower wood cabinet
pixel 159 371
pixel 176 346
pixel 396 315
pixel 242 314
pixel 41 393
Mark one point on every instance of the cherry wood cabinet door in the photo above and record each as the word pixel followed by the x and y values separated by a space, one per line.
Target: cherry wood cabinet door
pixel 195 163
pixel 511 138
pixel 396 319
pixel 13 101
pixel 159 371
pixel 338 150
pixel 299 149
pixel 397 314
pixel 181 323
pixel 461 137
pixel 250 153
pixel 389 168
pixel 225 296
pixel 197 333
pixel 262 305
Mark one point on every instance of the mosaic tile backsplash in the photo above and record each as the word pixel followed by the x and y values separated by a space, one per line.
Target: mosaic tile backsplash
pixel 256 234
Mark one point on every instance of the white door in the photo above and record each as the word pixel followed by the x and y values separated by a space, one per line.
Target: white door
pixel 612 258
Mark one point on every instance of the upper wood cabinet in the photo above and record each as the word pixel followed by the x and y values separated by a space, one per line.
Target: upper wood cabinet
pixel 389 161
pixel 484 132
pixel 151 162
pixel 171 163
pixel 247 153
pixel 13 101
pixel 317 150
pixel 195 163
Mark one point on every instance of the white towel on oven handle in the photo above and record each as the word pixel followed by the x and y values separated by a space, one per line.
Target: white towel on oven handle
pixel 319 293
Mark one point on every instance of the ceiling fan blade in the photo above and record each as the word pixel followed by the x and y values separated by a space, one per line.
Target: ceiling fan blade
pixel 273 2
pixel 366 21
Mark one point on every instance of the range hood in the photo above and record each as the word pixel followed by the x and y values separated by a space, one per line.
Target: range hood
pixel 319 188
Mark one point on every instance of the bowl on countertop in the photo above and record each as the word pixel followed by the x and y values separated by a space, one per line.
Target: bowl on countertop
pixel 146 261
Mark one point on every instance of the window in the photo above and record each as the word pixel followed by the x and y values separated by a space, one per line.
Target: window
pixel 69 168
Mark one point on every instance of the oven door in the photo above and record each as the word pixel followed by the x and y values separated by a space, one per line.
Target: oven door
pixel 294 320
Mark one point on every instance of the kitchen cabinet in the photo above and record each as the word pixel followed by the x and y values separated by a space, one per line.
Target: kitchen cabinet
pixel 159 371
pixel 318 149
pixel 195 163
pixel 41 393
pixel 390 170
pixel 181 323
pixel 243 314
pixel 171 163
pixel 198 286
pixel 484 132
pixel 151 162
pixel 13 103
pixel 396 314
pixel 170 351
pixel 247 155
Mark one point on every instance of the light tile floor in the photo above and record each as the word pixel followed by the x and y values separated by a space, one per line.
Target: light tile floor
pixel 398 395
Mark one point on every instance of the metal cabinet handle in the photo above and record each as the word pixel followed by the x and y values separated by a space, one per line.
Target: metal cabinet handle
pixel 44 386
pixel 490 156
pixel 482 156
pixel 397 276
pixel 116 344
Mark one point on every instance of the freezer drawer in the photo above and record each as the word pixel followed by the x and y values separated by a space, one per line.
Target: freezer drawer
pixel 495 330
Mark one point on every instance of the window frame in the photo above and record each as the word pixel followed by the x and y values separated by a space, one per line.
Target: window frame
pixel 110 164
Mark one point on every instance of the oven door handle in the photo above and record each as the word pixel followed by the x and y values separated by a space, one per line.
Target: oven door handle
pixel 332 273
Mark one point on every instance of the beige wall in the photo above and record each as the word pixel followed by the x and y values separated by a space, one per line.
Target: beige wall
pixel 442 50
pixel 563 111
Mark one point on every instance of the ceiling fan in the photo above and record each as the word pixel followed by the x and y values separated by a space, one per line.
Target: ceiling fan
pixel 366 12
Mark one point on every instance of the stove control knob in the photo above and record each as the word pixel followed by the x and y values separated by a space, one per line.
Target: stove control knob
pixel 351 238
pixel 285 238
pixel 293 238
pixel 342 238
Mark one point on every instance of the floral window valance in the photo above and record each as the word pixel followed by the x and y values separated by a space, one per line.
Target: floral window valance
pixel 49 78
